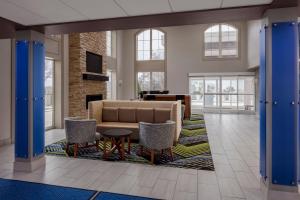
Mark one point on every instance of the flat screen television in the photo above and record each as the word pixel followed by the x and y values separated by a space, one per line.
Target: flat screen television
pixel 93 63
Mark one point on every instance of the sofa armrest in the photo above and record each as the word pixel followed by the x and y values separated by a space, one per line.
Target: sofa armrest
pixel 95 111
pixel 176 117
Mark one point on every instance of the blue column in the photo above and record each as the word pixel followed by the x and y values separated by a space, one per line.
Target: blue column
pixel 38 98
pixel 279 79
pixel 21 100
pixel 262 103
pixel 284 103
pixel 29 101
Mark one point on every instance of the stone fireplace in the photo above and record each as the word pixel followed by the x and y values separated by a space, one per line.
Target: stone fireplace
pixel 93 97
pixel 80 89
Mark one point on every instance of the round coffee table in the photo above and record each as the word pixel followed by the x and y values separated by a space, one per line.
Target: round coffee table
pixel 117 138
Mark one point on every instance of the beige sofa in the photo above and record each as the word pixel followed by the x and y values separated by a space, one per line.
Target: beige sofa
pixel 127 114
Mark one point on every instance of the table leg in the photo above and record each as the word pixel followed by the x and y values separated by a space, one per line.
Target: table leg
pixel 104 147
pixel 122 148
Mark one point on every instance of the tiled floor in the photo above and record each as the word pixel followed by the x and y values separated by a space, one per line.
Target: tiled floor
pixel 234 144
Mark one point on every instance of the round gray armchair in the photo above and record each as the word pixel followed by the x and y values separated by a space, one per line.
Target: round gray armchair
pixel 81 131
pixel 157 137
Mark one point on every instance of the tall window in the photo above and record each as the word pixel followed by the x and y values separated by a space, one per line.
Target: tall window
pixel 49 93
pixel 221 41
pixel 223 92
pixel 150 45
pixel 111 84
pixel 147 81
pixel 108 43
pixel 150 60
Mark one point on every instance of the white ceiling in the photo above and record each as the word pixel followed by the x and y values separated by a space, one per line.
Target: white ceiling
pixel 34 12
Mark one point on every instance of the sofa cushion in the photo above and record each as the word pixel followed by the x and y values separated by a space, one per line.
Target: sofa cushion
pixel 161 115
pixel 110 114
pixel 109 125
pixel 127 115
pixel 145 115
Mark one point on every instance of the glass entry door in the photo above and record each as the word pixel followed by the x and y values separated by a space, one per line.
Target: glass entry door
pixel 197 92
pixel 223 92
pixel 49 93
pixel 212 92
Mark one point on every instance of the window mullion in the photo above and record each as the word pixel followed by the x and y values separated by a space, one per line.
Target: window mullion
pixel 220 40
pixel 151 81
pixel 150 44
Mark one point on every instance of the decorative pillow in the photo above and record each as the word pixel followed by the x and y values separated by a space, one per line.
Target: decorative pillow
pixel 161 115
pixel 127 115
pixel 110 114
pixel 145 115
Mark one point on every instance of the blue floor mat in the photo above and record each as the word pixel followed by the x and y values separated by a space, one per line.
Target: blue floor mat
pixel 114 196
pixel 21 190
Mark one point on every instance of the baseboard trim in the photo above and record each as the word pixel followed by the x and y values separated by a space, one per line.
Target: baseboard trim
pixel 5 142
pixel 284 188
pixel 29 166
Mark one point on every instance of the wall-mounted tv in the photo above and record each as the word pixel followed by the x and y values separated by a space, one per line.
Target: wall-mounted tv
pixel 93 63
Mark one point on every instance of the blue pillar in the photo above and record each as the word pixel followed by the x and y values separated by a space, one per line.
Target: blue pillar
pixel 29 101
pixel 262 103
pixel 284 103
pixel 279 105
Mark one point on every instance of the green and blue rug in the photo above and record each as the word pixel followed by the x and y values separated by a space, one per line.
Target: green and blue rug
pixel 192 150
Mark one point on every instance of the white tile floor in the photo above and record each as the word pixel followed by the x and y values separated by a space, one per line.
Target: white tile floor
pixel 234 143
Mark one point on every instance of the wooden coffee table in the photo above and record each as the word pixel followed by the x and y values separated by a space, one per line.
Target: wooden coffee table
pixel 117 138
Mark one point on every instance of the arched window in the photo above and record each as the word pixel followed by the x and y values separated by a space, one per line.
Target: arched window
pixel 150 45
pixel 221 41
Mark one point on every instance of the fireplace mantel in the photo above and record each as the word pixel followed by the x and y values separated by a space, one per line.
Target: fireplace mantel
pixel 94 77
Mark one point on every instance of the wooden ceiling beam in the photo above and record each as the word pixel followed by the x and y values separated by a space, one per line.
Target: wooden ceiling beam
pixel 8 28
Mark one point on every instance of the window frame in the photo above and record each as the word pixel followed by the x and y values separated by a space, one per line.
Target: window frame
pixel 53 95
pixel 220 56
pixel 109 51
pixel 136 45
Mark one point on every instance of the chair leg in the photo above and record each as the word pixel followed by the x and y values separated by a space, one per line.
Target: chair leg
pixel 97 145
pixel 67 148
pixel 152 157
pixel 86 144
pixel 141 150
pixel 171 154
pixel 128 143
pixel 112 143
pixel 75 150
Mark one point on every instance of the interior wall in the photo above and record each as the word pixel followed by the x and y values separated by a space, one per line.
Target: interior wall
pixel 253 30
pixel 127 63
pixel 5 91
pixel 185 54
pixel 65 76
pixel 119 55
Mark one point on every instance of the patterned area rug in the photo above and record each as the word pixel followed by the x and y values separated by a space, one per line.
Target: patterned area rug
pixel 192 150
